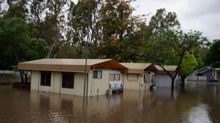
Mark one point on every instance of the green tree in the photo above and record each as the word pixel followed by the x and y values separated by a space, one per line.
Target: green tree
pixel 172 45
pixel 13 37
pixel 161 22
pixel 37 48
pixel 16 44
pixel 188 65
pixel 166 44
pixel 213 56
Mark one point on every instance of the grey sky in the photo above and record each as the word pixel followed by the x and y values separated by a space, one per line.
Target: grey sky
pixel 200 15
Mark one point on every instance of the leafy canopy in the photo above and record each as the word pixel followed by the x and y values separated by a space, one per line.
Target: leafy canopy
pixel 213 56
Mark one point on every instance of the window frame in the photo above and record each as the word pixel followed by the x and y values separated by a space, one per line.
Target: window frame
pixel 44 81
pixel 114 76
pixel 96 74
pixel 69 80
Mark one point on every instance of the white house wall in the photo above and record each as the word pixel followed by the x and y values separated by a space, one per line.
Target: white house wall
pixel 100 86
pixel 56 79
pixel 78 86
pixel 35 79
pixel 95 86
pixel 56 86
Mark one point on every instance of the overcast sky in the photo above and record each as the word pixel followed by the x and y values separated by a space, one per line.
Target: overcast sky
pixel 200 15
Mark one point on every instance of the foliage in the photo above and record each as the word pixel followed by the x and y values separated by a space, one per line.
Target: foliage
pixel 170 47
pixel 121 31
pixel 15 43
pixel 189 64
pixel 13 37
pixel 67 50
pixel 47 21
pixel 106 29
pixel 37 48
pixel 83 21
pixel 16 9
pixel 163 21
pixel 213 56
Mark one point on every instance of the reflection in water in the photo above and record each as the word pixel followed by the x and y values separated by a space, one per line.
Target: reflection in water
pixel 191 106
pixel 198 114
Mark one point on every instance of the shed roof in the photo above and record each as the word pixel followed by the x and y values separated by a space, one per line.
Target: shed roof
pixel 139 67
pixel 167 67
pixel 69 65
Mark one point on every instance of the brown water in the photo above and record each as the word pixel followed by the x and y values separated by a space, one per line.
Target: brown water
pixel 192 106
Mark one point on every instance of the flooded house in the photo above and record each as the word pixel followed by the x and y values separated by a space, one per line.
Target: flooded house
pixel 207 73
pixel 163 79
pixel 139 76
pixel 67 76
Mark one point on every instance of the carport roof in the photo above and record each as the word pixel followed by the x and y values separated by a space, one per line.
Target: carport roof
pixel 69 65
pixel 139 67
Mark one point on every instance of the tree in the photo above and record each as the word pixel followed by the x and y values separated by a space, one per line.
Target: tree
pixel 163 21
pixel 167 44
pixel 37 48
pixel 188 65
pixel 83 22
pixel 16 9
pixel 173 44
pixel 13 39
pixel 16 45
pixel 121 31
pixel 47 21
pixel 213 56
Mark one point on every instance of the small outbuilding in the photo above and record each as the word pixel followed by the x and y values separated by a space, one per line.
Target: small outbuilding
pixel 139 76
pixel 162 79
pixel 67 76
pixel 211 74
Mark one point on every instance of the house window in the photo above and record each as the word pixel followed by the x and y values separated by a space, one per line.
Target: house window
pixel 68 80
pixel 45 78
pixel 97 74
pixel 114 77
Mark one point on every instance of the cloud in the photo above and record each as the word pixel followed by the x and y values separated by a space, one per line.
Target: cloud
pixel 197 15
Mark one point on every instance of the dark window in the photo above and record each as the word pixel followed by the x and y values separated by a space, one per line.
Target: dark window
pixel 114 77
pixel 67 80
pixel 97 74
pixel 45 78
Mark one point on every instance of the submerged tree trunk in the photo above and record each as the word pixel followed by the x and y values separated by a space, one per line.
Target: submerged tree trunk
pixel 183 82
pixel 172 84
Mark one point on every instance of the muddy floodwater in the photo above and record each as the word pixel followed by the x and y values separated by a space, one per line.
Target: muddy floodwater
pixel 194 105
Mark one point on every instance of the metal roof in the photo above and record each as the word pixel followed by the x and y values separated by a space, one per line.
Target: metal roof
pixel 139 67
pixel 69 65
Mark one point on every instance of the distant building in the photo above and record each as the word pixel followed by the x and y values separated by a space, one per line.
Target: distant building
pixel 211 74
